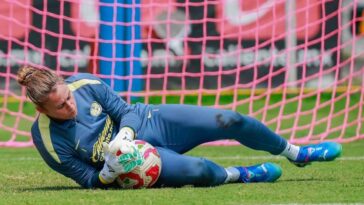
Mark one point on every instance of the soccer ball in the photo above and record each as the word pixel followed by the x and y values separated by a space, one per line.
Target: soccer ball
pixel 146 174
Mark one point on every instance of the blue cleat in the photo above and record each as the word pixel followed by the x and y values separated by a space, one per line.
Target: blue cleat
pixel 326 151
pixel 266 172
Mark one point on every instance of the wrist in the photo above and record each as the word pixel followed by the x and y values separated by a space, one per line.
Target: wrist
pixel 106 175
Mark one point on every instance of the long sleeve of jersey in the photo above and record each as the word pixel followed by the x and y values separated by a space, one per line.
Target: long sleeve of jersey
pixel 115 106
pixel 62 158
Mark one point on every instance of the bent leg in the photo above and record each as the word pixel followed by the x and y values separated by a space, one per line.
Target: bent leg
pixel 179 170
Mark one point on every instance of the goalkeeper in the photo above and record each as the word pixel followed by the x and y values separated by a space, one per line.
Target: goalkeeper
pixel 81 115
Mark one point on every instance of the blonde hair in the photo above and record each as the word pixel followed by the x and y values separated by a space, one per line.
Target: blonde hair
pixel 39 83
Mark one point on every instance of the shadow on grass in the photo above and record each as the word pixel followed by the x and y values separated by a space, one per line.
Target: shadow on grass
pixel 308 180
pixel 51 188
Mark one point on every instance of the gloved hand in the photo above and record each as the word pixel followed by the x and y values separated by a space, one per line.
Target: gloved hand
pixel 121 156
pixel 125 133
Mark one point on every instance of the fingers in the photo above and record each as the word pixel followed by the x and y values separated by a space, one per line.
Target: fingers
pixel 130 165
pixel 115 145
pixel 131 160
pixel 135 152
pixel 125 158
pixel 126 148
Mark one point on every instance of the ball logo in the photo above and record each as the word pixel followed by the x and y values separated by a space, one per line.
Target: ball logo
pixel 95 109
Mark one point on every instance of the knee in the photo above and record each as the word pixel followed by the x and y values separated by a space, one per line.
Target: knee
pixel 201 172
pixel 230 119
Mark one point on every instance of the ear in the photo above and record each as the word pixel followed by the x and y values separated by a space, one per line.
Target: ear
pixel 40 109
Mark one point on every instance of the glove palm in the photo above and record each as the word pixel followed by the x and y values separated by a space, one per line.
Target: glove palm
pixel 121 157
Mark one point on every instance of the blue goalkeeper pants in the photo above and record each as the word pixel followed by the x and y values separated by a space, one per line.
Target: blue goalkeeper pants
pixel 176 129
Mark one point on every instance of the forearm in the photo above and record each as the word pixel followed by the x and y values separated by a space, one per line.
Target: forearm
pixel 130 120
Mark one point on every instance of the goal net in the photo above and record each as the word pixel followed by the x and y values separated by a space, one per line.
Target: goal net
pixel 295 65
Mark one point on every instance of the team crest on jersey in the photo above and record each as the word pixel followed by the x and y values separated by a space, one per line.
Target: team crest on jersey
pixel 95 109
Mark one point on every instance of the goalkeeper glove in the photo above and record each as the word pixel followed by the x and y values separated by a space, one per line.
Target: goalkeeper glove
pixel 120 157
pixel 125 133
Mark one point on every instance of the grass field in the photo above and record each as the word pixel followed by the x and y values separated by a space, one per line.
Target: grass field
pixel 26 179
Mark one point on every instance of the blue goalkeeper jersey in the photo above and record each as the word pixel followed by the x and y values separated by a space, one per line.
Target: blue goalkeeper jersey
pixel 74 147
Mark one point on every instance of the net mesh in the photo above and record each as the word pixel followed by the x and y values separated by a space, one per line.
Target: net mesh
pixel 295 65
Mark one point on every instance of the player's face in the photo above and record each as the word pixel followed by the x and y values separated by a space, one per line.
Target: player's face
pixel 60 104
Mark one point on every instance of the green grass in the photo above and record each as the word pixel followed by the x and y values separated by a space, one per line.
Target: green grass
pixel 26 179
